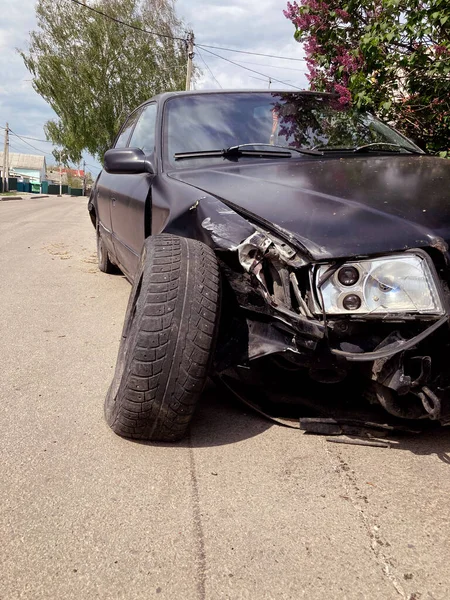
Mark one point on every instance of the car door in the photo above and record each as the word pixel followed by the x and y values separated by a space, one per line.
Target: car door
pixel 105 187
pixel 130 195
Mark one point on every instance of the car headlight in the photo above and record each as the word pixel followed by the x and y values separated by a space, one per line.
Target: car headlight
pixel 404 283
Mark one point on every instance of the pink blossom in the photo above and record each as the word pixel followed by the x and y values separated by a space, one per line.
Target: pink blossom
pixel 342 13
pixel 345 96
pixel 441 50
pixel 350 62
pixel 291 11
pixel 311 46
pixel 306 20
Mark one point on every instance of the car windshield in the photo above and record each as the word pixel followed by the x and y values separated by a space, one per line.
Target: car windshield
pixel 297 120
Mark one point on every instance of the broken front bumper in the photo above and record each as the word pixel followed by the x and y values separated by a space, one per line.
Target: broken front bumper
pixel 401 367
pixel 398 363
pixel 265 366
pixel 274 331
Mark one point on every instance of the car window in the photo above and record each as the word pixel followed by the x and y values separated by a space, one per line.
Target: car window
pixel 143 136
pixel 122 140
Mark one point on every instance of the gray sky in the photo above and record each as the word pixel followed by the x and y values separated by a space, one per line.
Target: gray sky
pixel 254 25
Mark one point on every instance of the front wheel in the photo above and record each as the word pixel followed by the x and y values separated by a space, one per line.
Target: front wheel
pixel 167 340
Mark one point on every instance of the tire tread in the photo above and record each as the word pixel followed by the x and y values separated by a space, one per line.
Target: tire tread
pixel 167 367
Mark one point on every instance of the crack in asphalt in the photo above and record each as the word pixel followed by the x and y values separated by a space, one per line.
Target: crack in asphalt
pixel 198 525
pixel 353 493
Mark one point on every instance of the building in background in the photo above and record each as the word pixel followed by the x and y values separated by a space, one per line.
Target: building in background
pixel 72 177
pixel 31 166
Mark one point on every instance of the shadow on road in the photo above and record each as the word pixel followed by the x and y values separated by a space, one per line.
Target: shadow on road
pixel 433 440
pixel 219 420
pixel 222 419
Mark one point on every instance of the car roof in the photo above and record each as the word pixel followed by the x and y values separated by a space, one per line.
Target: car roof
pixel 166 95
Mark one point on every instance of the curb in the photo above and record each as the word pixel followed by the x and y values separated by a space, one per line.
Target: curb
pixel 6 198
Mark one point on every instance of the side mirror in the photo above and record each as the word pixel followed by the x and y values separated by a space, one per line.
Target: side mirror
pixel 126 161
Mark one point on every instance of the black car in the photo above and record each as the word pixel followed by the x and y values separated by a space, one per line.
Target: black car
pixel 282 242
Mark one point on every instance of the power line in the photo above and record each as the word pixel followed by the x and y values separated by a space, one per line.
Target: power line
pixel 172 37
pixel 16 150
pixel 206 65
pixel 245 62
pixel 28 144
pixel 27 137
pixel 22 149
pixel 258 78
pixel 135 27
pixel 93 166
pixel 41 151
pixel 251 70
pixel 253 53
pixel 31 146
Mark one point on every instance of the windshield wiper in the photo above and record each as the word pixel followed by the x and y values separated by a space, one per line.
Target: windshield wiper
pixel 367 147
pixel 241 150
pixel 309 151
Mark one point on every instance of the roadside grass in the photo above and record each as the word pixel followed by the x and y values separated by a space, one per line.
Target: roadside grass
pixel 8 193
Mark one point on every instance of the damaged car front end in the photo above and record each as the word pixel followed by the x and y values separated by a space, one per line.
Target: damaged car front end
pixel 381 321
pixel 343 276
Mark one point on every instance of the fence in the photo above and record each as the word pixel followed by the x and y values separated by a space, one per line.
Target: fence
pixel 53 189
pixel 12 184
pixel 35 188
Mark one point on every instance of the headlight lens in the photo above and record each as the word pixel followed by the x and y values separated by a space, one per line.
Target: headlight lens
pixel 348 275
pixel 396 284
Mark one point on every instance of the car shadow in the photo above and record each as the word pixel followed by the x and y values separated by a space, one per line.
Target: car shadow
pixel 222 419
pixel 434 440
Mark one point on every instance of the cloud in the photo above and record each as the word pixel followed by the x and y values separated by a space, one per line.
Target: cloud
pixel 20 106
pixel 255 25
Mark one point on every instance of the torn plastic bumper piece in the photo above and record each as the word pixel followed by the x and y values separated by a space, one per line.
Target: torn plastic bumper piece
pixel 341 426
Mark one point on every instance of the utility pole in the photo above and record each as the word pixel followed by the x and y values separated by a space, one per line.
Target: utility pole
pixel 60 176
pixel 84 178
pixel 190 45
pixel 5 165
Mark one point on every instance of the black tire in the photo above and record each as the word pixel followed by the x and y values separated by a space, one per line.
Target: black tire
pixel 167 341
pixel 104 263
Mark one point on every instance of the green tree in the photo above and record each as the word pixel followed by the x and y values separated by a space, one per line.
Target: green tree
pixel 93 71
pixel 389 56
pixel 61 156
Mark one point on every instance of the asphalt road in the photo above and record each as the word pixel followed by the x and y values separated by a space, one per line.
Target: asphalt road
pixel 244 509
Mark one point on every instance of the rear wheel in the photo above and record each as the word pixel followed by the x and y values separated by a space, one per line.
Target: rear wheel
pixel 167 341
pixel 104 263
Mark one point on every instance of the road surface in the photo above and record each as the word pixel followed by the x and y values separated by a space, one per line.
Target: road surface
pixel 244 509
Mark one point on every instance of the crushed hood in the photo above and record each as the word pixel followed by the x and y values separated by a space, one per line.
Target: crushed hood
pixel 340 207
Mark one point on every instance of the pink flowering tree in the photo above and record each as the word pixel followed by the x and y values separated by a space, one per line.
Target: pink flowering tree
pixel 388 56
